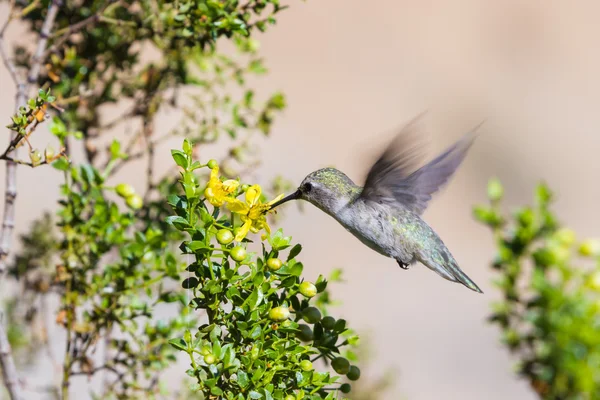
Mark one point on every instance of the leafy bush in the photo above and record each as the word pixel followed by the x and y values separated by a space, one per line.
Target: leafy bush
pixel 109 257
pixel 262 334
pixel 550 308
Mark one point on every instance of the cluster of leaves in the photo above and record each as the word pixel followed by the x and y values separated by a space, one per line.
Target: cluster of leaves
pixel 94 59
pixel 111 275
pixel 25 122
pixel 254 344
pixel 550 310
pixel 35 111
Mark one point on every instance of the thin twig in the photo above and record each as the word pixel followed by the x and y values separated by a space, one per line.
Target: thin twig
pixel 66 33
pixel 10 65
pixel 148 131
pixel 9 19
pixel 36 60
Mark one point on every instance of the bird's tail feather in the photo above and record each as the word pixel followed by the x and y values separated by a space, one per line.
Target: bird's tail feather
pixel 451 271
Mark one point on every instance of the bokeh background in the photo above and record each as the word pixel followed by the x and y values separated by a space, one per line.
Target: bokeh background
pixel 354 72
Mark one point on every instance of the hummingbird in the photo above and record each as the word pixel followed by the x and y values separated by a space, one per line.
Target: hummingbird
pixel 385 213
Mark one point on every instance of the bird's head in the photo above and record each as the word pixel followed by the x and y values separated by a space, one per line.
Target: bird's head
pixel 327 188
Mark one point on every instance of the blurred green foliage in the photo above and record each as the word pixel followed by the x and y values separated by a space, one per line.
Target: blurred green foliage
pixel 549 313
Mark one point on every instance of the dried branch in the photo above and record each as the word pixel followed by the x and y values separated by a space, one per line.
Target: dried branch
pixel 7 364
pixel 11 165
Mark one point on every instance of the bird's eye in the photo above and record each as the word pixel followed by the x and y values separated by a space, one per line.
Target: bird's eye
pixel 307 187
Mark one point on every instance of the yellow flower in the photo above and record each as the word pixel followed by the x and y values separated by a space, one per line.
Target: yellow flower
pixel 252 212
pixel 218 192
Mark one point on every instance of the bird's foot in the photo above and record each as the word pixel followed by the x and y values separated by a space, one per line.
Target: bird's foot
pixel 402 265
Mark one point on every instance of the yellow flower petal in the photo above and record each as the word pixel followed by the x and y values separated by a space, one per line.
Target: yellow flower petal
pixel 209 193
pixel 238 206
pixel 230 185
pixel 253 194
pixel 214 174
pixel 243 230
pixel 215 201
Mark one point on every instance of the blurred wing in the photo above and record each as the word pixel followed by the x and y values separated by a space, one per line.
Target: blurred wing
pixel 391 179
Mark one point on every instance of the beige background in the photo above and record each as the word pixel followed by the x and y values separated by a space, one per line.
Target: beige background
pixel 353 72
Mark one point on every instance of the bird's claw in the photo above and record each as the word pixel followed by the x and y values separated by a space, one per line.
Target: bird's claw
pixel 402 265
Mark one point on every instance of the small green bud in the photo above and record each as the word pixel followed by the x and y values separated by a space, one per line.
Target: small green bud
pixel 495 190
pixel 590 247
pixel 245 187
pixel 49 153
pixel 125 190
pixel 279 314
pixel 35 156
pixel 274 264
pixel 209 359
pixel 345 388
pixel 212 164
pixel 354 373
pixel 224 236
pixel 340 365
pixel 308 289
pixel 328 322
pixel 305 333
pixel 306 365
pixel 135 202
pixel 565 237
pixel 238 253
pixel 312 315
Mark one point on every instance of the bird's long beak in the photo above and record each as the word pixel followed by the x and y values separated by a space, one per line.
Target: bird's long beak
pixel 293 196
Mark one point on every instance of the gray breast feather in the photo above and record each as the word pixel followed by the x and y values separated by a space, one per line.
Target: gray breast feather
pixel 379 227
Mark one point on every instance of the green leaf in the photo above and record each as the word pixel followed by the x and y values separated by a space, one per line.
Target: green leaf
pixel 115 149
pixel 278 241
pixel 294 251
pixel 178 343
pixel 256 332
pixel 190 283
pixel 254 299
pixel 62 164
pixel 180 158
pixel 178 222
pixel 187 147
pixel 197 245
pixel 242 379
